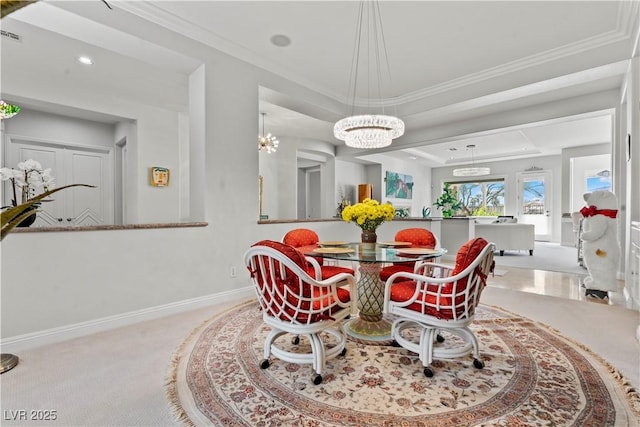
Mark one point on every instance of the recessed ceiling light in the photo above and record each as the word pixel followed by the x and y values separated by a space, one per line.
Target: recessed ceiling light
pixel 85 60
pixel 413 158
pixel 280 40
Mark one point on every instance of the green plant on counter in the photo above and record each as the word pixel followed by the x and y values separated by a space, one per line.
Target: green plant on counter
pixel 448 202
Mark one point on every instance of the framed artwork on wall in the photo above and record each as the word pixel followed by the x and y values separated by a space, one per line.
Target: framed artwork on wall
pixel 159 177
pixel 398 186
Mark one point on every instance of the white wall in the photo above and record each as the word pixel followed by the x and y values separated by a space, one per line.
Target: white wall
pixel 348 176
pixel 61 129
pixel 281 181
pixel 79 277
pixel 153 138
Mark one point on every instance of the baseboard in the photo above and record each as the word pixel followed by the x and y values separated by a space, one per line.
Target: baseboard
pixel 63 333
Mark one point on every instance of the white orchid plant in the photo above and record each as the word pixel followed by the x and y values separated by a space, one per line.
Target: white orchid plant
pixel 30 178
pixel 35 184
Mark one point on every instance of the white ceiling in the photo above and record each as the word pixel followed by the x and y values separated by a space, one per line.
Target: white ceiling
pixel 449 60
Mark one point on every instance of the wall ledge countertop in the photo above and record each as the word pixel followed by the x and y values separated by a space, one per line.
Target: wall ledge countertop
pixel 293 221
pixel 110 227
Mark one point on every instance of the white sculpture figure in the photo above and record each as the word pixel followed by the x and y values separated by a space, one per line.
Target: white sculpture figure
pixel 601 250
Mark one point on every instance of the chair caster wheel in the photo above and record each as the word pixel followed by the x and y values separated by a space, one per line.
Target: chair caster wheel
pixel 343 352
pixel 316 378
pixel 439 338
pixel 597 293
pixel 428 372
pixel 395 343
pixel 264 364
pixel 478 364
pixel 295 340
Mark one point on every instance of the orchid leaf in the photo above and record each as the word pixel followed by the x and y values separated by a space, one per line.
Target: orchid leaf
pixel 13 216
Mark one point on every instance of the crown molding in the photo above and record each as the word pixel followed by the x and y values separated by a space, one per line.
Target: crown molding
pixel 626 26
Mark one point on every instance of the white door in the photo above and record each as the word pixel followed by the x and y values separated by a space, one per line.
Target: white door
pixel 70 165
pixel 534 202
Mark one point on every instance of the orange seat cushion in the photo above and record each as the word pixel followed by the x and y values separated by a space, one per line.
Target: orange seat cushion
pixel 331 270
pixel 403 291
pixel 387 271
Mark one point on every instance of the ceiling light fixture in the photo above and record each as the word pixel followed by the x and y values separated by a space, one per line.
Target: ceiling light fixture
pixel 368 130
pixel 473 170
pixel 280 40
pixel 8 110
pixel 85 60
pixel 268 142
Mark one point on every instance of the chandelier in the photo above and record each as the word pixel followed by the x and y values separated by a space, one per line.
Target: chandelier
pixel 473 170
pixel 368 130
pixel 8 110
pixel 267 142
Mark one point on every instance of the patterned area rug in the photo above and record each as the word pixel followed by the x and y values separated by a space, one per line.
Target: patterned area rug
pixel 532 376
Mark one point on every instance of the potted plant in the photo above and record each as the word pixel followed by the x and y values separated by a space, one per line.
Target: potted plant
pixel 448 202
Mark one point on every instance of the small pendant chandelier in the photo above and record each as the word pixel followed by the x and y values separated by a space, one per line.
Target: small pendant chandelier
pixel 267 142
pixel 473 170
pixel 368 130
pixel 8 110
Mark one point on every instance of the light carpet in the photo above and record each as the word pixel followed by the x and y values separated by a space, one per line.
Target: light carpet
pixel 546 256
pixel 533 376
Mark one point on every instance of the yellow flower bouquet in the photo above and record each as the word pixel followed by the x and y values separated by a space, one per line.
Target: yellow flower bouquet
pixel 368 214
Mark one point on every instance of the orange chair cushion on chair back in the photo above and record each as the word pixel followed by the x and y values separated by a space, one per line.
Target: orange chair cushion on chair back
pixel 298 301
pixel 271 299
pixel 465 257
pixel 468 253
pixel 417 236
pixel 301 237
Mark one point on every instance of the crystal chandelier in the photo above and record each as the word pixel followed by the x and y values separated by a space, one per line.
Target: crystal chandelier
pixel 368 130
pixel 267 142
pixel 8 110
pixel 473 170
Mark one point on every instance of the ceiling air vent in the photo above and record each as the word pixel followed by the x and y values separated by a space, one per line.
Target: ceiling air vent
pixel 11 36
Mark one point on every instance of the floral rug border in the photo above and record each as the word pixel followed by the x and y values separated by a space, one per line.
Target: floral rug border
pixel 181 356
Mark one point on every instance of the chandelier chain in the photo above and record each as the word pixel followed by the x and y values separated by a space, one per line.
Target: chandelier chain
pixel 368 130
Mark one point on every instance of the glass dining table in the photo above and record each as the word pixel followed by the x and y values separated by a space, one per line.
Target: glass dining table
pixel 369 326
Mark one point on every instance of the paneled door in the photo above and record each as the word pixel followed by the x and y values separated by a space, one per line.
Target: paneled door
pixel 70 165
pixel 534 202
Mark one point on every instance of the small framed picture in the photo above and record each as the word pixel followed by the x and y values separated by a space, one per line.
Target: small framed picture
pixel 159 176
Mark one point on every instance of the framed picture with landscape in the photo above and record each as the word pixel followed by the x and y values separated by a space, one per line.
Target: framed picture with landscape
pixel 398 186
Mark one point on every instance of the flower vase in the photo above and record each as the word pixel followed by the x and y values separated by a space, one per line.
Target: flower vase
pixel 369 239
pixel 28 221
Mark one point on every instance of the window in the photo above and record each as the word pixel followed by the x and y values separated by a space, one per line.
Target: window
pixel 599 181
pixel 480 198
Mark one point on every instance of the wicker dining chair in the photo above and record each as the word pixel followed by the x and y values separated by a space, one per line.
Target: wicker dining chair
pixel 440 298
pixel 295 302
